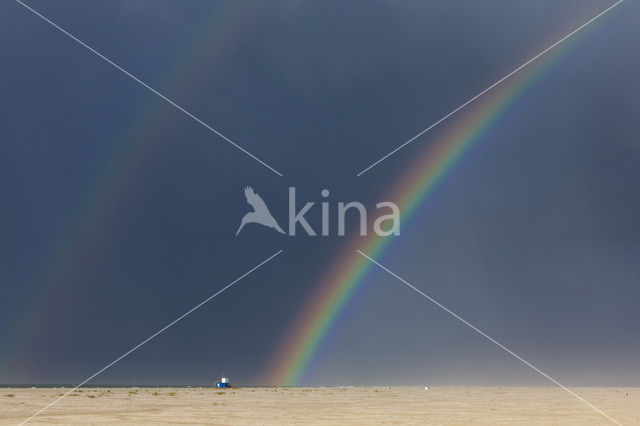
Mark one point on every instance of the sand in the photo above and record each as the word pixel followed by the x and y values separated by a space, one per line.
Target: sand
pixel 340 405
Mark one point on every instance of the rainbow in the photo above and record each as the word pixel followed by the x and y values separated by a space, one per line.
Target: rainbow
pixel 106 193
pixel 416 187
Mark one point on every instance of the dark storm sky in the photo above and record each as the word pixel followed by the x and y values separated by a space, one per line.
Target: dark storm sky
pixel 119 212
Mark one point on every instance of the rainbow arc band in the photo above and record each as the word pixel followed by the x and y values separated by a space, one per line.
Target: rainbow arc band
pixel 414 189
pixel 221 30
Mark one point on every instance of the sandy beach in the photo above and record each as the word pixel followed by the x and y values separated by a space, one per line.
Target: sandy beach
pixel 340 405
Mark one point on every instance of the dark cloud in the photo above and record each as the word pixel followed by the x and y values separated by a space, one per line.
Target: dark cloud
pixel 119 212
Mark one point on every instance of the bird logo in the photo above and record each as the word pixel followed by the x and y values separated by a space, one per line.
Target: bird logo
pixel 260 213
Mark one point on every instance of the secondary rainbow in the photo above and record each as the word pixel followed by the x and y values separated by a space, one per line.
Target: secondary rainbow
pixel 107 191
pixel 347 273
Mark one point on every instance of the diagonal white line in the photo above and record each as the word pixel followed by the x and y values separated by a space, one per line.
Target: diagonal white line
pixel 145 85
pixel 476 329
pixel 154 335
pixel 491 87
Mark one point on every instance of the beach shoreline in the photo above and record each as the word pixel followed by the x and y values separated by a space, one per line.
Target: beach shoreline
pixel 319 405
